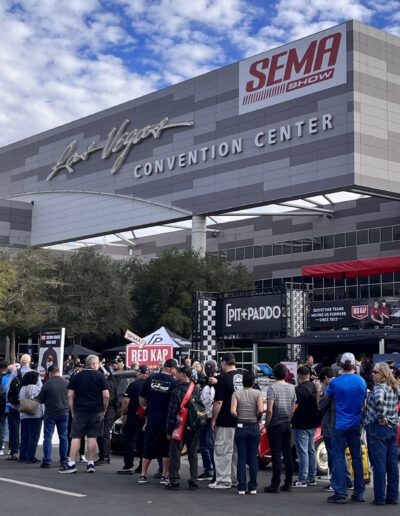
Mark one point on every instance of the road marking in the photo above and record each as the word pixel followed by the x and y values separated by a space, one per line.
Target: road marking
pixel 43 488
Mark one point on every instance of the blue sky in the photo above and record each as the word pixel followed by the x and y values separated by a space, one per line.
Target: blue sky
pixel 64 59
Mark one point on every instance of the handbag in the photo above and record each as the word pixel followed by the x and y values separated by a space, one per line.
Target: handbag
pixel 27 405
pixel 177 434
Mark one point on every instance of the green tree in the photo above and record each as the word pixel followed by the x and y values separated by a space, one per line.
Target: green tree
pixel 164 288
pixel 94 295
pixel 27 302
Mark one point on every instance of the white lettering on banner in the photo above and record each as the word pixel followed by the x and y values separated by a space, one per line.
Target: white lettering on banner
pixel 251 313
pixel 149 355
pixel 306 66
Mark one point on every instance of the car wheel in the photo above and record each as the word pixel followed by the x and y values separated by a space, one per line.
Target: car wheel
pixel 322 457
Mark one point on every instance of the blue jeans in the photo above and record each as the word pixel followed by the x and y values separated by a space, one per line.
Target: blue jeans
pixel 206 442
pixel 247 439
pixel 305 448
pixel 61 423
pixel 30 432
pixel 13 430
pixel 329 451
pixel 350 437
pixel 382 451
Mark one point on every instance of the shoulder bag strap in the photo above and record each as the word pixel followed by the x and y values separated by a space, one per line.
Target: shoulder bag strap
pixel 187 395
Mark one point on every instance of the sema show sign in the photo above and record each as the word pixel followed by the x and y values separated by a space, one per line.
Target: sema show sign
pixel 152 356
pixel 306 66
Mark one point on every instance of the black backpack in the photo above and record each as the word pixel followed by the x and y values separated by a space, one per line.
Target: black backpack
pixel 13 391
pixel 197 414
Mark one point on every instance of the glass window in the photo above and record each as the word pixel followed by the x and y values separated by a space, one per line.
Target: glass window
pixel 267 283
pixel 362 237
pixel 387 289
pixel 363 280
pixel 277 282
pixel 375 291
pixel 267 250
pixel 351 281
pixel 376 278
pixel 351 239
pixel 249 252
pixel 396 232
pixel 387 277
pixel 397 276
pixel 297 246
pixel 318 295
pixel 258 284
pixel 240 253
pixel 397 289
pixel 317 243
pixel 339 282
pixel 231 254
pixel 351 292
pixel 328 241
pixel 287 247
pixel 387 234
pixel 329 294
pixel 298 279
pixel 277 249
pixel 258 251
pixel 374 236
pixel 340 240
pixel 318 282
pixel 364 291
pixel 307 245
pixel 340 293
pixel 328 282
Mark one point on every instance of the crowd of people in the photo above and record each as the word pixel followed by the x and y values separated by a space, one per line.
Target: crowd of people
pixel 215 409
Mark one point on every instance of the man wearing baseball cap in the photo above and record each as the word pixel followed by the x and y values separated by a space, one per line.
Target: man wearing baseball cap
pixel 154 397
pixel 133 419
pixel 349 392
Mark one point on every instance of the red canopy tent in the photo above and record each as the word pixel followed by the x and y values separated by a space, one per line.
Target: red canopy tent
pixel 354 268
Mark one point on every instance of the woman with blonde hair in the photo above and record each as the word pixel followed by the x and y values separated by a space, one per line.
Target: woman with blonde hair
pixel 381 423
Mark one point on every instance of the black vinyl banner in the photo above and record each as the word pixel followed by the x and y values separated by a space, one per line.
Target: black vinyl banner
pixel 354 312
pixel 251 314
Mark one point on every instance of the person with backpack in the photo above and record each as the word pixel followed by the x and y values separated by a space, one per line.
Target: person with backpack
pixel 247 406
pixel 305 421
pixel 186 414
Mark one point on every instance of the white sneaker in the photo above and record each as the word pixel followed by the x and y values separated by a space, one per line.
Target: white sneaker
pixel 220 485
pixel 254 492
pixel 1 452
pixel 82 458
pixel 241 492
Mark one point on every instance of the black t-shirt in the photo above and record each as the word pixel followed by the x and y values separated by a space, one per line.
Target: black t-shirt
pixel 307 415
pixel 133 392
pixel 157 390
pixel 227 384
pixel 88 386
pixel 54 396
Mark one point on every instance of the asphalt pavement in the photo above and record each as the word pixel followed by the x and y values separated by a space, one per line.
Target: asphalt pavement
pixel 27 489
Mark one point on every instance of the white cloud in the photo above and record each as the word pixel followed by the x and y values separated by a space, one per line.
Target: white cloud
pixel 63 59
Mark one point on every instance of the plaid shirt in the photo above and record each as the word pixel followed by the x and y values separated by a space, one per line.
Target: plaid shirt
pixel 382 403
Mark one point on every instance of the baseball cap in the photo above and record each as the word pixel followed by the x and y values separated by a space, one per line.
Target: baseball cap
pixel 185 370
pixel 171 362
pixel 143 369
pixel 348 357
pixel 210 367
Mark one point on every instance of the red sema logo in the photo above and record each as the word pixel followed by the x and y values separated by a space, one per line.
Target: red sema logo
pixel 309 65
